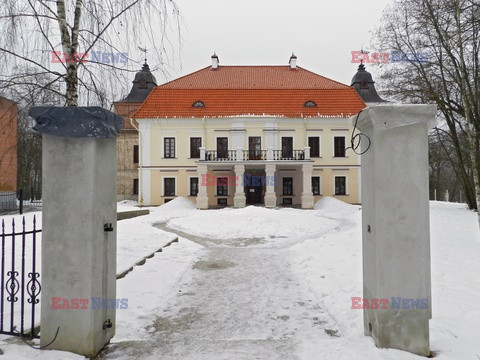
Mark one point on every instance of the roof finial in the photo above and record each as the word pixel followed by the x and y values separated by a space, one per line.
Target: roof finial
pixel 144 50
pixel 362 52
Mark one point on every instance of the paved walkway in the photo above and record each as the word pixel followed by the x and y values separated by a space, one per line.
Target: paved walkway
pixel 240 301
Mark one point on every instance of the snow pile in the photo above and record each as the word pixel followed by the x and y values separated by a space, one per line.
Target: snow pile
pixel 127 205
pixel 179 203
pixel 334 208
pixel 253 222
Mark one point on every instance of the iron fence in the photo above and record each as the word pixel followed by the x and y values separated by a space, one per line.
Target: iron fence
pixel 11 202
pixel 8 201
pixel 19 279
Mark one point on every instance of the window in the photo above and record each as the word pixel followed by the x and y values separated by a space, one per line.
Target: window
pixel 316 185
pixel 142 84
pixel 135 186
pixel 314 143
pixel 195 144
pixel 222 147
pixel 169 148
pixel 168 186
pixel 287 201
pixel 287 147
pixel 193 186
pixel 339 146
pixel 254 148
pixel 198 104
pixel 287 186
pixel 340 185
pixel 222 186
pixel 221 201
pixel 135 154
pixel 310 103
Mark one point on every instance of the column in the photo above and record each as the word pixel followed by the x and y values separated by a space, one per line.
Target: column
pixel 239 200
pixel 202 196
pixel 270 196
pixel 307 195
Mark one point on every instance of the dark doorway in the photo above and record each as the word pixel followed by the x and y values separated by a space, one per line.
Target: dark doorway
pixel 254 148
pixel 254 187
pixel 254 195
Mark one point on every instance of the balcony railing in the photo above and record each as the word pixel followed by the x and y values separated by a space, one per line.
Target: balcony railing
pixel 254 155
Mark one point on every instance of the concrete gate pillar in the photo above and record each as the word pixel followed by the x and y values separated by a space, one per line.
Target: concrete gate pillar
pixel 395 220
pixel 79 227
pixel 202 196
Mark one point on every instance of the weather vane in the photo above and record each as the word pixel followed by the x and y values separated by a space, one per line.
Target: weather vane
pixel 363 52
pixel 145 51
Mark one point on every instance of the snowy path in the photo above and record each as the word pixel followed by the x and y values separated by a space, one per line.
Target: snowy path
pixel 240 300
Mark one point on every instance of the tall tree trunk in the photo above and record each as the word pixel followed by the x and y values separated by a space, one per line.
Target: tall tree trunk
pixel 70 47
pixel 72 85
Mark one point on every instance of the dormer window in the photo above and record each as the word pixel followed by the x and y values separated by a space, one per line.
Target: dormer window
pixel 310 103
pixel 198 104
pixel 142 84
pixel 363 84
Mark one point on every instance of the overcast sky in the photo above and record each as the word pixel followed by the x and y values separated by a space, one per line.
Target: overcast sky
pixel 265 32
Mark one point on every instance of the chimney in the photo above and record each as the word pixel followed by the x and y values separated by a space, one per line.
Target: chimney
pixel 214 61
pixel 293 62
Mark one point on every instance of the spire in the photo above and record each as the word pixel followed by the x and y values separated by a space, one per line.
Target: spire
pixel 363 83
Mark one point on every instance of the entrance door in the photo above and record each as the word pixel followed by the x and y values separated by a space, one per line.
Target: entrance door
pixel 254 185
pixel 254 195
pixel 254 148
pixel 287 147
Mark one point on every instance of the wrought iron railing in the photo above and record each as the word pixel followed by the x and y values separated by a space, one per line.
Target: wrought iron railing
pixel 19 279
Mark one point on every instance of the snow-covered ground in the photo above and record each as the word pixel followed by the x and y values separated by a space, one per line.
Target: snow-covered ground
pixel 258 283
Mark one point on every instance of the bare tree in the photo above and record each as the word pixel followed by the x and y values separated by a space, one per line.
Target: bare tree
pixel 82 44
pixel 29 142
pixel 448 31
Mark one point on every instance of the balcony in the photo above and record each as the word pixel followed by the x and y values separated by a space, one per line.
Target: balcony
pixel 254 155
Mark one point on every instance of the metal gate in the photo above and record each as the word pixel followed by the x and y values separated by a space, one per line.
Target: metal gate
pixel 20 286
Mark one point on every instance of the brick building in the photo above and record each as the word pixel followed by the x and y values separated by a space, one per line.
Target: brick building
pixel 8 145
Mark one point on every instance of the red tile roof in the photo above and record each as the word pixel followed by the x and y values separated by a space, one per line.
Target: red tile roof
pixel 251 90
